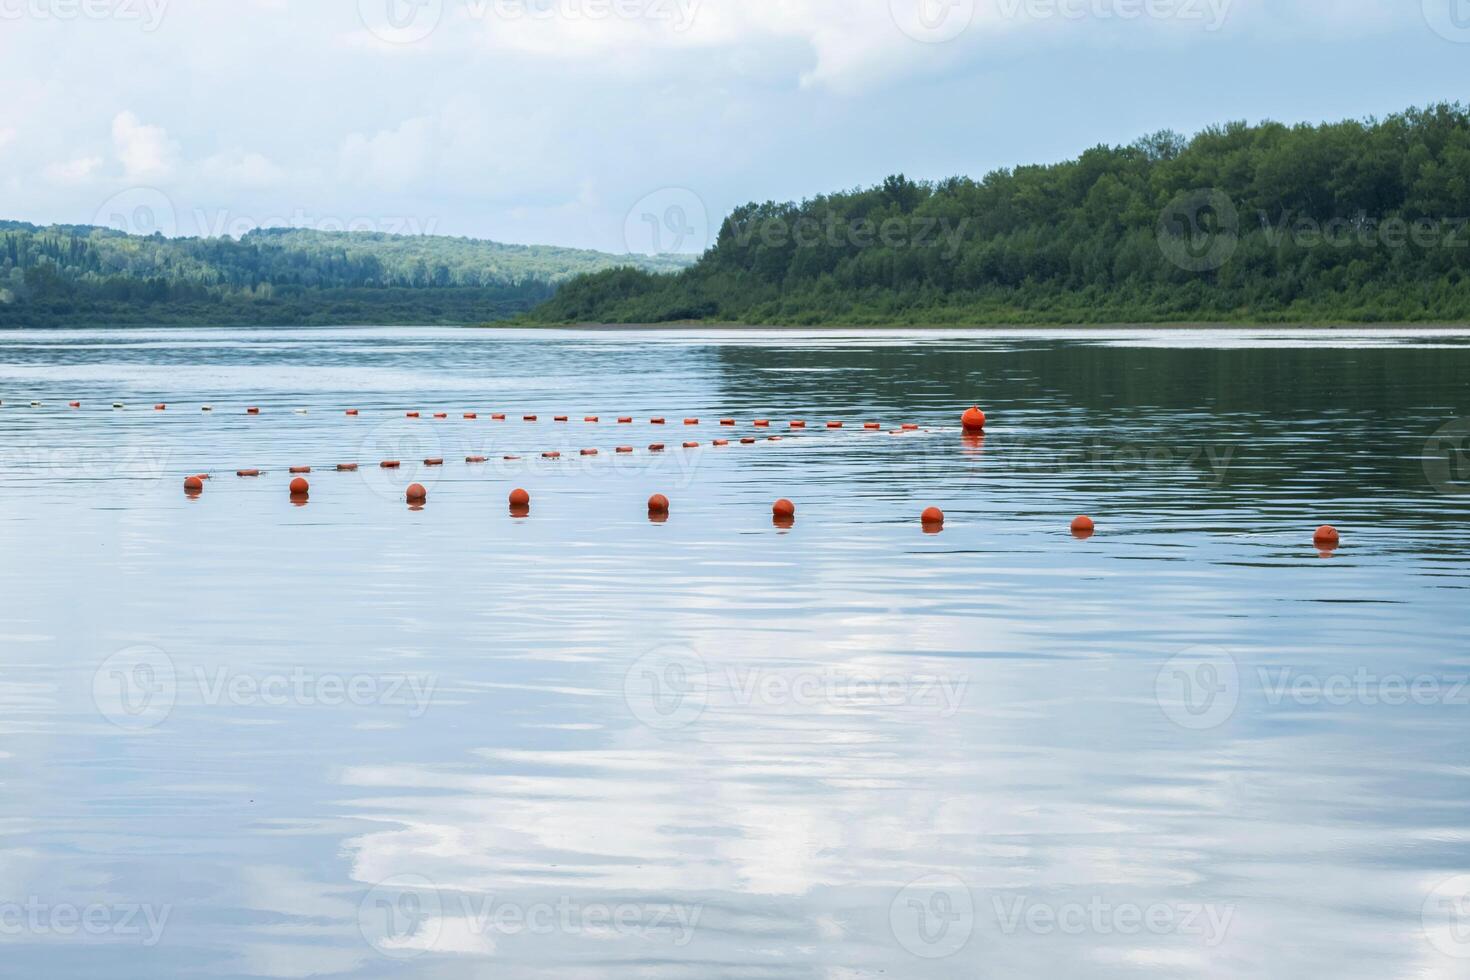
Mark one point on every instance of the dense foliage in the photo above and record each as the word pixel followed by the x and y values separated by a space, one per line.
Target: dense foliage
pixel 1351 221
pixel 83 274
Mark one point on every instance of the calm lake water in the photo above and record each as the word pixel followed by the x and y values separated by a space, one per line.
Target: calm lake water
pixel 247 737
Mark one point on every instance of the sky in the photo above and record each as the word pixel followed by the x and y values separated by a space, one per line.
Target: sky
pixel 636 125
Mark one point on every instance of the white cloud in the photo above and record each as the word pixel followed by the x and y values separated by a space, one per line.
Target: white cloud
pixel 7 136
pixel 242 170
pixel 392 157
pixel 72 172
pixel 146 152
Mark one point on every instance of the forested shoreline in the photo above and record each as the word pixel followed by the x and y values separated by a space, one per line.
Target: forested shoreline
pixel 1356 221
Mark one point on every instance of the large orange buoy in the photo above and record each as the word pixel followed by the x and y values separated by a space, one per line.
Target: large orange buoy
pixel 471 415
pixel 589 452
pixel 798 424
pixel 559 418
pixel 299 487
pixel 625 449
pixel 658 504
pixel 656 447
pixel 727 421
pixel 691 445
pixel 872 425
pixel 441 415
pixel 932 515
pixel 762 423
pixel 352 411
pixel 910 427
pixel 1326 535
pixel 520 498
pixel 691 421
pixel 834 425
pixel 590 418
pixel 497 417
pixel 411 415
pixel 625 420
pixel 477 459
pixel 159 407
pixel 528 418
pixel 416 493
pixel 747 440
pixel 656 421
pixel 247 472
pixel 252 411
pixel 73 404
pixel 721 442
pixel 346 467
pixel 1083 525
pixel 973 420
pixel 389 464
pixel 551 455
pixel 783 508
pixel 193 484
pixel 300 469
pixel 434 461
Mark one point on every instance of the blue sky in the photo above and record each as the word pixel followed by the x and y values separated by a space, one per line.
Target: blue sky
pixel 636 124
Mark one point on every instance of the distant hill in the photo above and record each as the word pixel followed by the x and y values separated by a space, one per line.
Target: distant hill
pixel 1353 221
pixel 80 274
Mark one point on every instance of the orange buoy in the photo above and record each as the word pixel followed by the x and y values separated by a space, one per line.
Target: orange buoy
pixel 658 504
pixel 389 464
pixel 520 498
pixel 1083 525
pixel 747 440
pixel 657 421
pixel 346 467
pixel 973 420
pixel 625 449
pixel 193 483
pixel 299 487
pixel 528 418
pixel 691 445
pixel 352 411
pixel 471 415
pixel 625 420
pixel 834 425
pixel 656 447
pixel 560 418
pixel 300 469
pixel 73 404
pixel 590 418
pixel 773 438
pixel 798 424
pixel 872 425
pixel 589 452
pixel 411 415
pixel 721 442
pixel 510 457
pixel 910 427
pixel 441 415
pixel 932 516
pixel 416 493
pixel 159 407
pixel 434 461
pixel 551 455
pixel 1326 535
pixel 762 423
pixel 691 421
pixel 247 472
pixel 783 508
pixel 727 421
pixel 498 417
pixel 477 459
pixel 252 411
